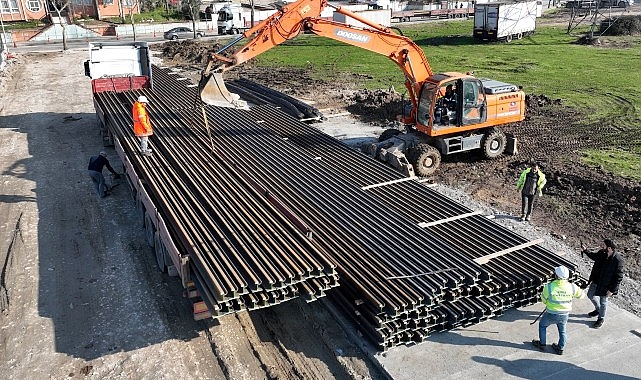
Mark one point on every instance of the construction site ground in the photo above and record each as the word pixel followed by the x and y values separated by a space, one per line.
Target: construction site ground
pixel 81 297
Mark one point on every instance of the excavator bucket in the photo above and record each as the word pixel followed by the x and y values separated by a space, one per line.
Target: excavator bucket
pixel 214 91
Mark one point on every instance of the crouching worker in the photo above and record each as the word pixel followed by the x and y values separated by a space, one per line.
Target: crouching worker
pixel 557 296
pixel 96 164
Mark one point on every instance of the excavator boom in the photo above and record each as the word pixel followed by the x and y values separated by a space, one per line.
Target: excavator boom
pixel 303 15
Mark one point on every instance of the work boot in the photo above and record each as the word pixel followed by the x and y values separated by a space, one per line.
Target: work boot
pixel 598 323
pixel 522 218
pixel 527 218
pixel 557 349
pixel 146 153
pixel 537 343
pixel 593 313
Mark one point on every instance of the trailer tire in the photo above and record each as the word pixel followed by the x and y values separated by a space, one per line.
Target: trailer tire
pixel 508 38
pixel 150 230
pixel 519 36
pixel 140 210
pixel 161 253
pixel 425 159
pixel 493 143
pixel 388 134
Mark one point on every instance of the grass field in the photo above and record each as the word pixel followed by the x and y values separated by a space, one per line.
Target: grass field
pixel 592 79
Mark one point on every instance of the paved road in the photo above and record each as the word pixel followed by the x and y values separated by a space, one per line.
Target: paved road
pixel 32 47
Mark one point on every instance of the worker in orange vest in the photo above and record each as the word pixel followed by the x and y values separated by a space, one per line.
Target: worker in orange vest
pixel 142 125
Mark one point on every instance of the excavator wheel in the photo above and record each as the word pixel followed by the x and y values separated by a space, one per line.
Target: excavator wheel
pixel 388 134
pixel 493 143
pixel 425 159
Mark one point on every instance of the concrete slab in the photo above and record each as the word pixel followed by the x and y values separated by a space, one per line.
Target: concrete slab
pixel 501 348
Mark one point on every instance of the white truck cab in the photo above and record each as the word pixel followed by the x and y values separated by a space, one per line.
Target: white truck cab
pixel 230 19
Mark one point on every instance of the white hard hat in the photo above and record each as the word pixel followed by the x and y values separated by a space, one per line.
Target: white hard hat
pixel 562 272
pixel 142 99
pixel 103 153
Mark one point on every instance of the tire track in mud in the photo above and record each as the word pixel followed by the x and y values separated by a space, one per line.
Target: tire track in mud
pixel 16 237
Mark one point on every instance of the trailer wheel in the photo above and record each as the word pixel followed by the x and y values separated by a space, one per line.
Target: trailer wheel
pixel 622 4
pixel 425 159
pixel 150 230
pixel 493 143
pixel 388 134
pixel 161 252
pixel 508 38
pixel 519 36
pixel 140 209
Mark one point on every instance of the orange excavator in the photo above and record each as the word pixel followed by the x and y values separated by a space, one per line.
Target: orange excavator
pixel 450 112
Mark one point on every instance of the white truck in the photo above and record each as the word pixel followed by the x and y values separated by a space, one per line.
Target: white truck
pixel 230 19
pixel 505 21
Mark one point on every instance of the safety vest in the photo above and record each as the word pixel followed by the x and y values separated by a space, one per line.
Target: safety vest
pixel 557 296
pixel 142 125
pixel 539 184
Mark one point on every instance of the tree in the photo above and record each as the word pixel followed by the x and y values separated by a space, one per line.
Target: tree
pixel 192 7
pixel 59 6
pixel 134 4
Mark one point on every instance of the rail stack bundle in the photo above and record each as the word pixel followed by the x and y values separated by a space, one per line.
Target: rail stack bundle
pixel 411 261
pixel 243 250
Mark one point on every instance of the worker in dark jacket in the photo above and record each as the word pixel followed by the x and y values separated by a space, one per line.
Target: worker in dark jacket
pixel 606 275
pixel 530 183
pixel 96 164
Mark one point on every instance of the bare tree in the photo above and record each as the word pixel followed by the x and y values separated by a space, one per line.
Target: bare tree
pixel 59 6
pixel 134 4
pixel 193 7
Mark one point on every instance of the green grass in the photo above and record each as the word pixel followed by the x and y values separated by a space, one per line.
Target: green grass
pixel 158 14
pixel 624 164
pixel 16 25
pixel 594 80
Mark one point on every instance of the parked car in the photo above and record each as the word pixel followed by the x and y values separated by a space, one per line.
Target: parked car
pixel 182 32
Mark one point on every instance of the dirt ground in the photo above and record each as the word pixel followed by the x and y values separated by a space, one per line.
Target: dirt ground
pixel 80 295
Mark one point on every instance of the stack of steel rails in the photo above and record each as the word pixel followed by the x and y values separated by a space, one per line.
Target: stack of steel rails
pixel 411 261
pixel 245 250
pixel 514 278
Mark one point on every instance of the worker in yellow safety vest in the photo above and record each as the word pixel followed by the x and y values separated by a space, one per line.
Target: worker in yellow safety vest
pixel 557 296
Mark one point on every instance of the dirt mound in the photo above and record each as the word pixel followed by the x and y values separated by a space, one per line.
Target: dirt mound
pixel 186 51
pixel 622 26
pixel 536 104
pixel 376 105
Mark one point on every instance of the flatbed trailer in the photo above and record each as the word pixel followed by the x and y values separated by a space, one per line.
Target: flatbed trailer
pixel 189 239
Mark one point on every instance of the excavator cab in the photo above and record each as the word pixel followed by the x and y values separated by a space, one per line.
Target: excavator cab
pixel 463 104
